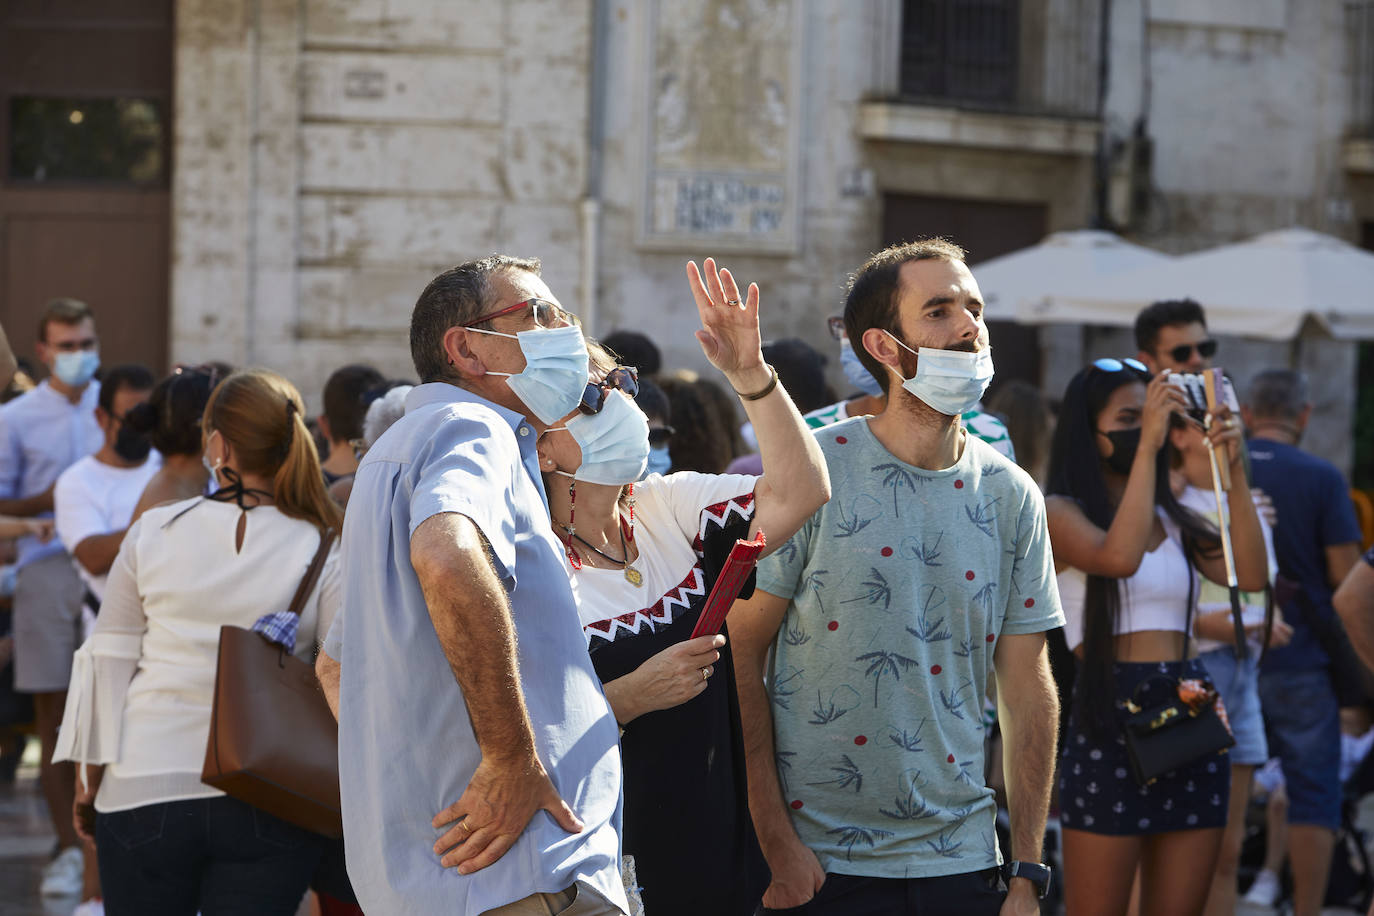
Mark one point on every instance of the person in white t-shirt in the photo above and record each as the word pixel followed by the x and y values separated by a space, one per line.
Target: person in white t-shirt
pixel 93 504
pixel 94 499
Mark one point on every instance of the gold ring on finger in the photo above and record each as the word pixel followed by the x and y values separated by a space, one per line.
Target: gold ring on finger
pixel 705 673
pixel 732 302
pixel 464 823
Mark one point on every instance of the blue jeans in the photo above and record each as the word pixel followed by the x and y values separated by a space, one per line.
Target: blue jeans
pixel 218 856
pixel 1238 683
pixel 1303 719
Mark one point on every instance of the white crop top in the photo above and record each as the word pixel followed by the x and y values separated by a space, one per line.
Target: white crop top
pixel 1155 598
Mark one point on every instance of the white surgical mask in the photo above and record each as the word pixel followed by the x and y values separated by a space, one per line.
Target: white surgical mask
pixel 614 442
pixel 950 381
pixel 555 373
pixel 211 467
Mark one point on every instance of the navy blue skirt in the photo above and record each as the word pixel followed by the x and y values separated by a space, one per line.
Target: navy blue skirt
pixel 1098 794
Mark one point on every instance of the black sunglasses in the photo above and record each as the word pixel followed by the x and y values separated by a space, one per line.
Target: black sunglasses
pixel 1206 349
pixel 659 435
pixel 624 378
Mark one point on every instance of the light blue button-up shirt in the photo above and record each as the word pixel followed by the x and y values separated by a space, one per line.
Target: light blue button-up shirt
pixel 406 745
pixel 41 435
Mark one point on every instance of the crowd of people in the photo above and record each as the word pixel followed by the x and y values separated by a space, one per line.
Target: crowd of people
pixel 975 629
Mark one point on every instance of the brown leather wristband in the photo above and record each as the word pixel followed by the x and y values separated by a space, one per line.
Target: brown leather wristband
pixel 765 390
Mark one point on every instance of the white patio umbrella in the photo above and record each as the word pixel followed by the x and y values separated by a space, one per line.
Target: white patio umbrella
pixel 1263 287
pixel 1022 282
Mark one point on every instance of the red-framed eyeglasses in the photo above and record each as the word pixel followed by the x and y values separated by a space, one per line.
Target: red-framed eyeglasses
pixel 546 314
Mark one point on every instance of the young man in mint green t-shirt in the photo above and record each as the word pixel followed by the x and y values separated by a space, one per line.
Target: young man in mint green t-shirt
pixel 929 569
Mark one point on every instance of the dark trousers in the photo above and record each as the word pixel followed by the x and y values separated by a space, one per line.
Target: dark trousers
pixel 978 893
pixel 218 856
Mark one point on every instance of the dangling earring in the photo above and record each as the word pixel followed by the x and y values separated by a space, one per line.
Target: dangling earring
pixel 630 502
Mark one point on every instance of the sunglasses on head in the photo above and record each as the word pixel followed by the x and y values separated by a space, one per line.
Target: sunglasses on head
pixel 623 378
pixel 1108 364
pixel 1206 349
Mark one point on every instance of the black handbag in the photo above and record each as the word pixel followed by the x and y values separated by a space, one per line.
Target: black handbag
pixel 1167 735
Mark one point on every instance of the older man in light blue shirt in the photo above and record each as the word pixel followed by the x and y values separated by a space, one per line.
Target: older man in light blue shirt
pixel 454 793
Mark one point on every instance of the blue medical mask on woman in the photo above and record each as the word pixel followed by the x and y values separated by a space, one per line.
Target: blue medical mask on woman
pixel 950 381
pixel 854 371
pixel 555 373
pixel 660 461
pixel 76 368
pixel 614 442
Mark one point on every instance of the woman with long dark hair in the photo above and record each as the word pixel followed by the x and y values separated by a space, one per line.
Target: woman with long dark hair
pixel 138 707
pixel 1125 552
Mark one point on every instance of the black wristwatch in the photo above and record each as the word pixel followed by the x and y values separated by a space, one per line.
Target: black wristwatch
pixel 1034 872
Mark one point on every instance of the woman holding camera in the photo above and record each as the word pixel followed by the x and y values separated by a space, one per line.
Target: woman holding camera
pixel 1125 552
pixel 138 709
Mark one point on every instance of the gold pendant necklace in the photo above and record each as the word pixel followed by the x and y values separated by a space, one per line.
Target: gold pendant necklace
pixel 632 575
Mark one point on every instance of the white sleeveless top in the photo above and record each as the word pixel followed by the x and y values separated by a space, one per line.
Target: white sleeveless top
pixel 1155 598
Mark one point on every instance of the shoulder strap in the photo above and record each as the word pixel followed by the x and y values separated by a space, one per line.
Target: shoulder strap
pixel 312 574
pixel 1188 612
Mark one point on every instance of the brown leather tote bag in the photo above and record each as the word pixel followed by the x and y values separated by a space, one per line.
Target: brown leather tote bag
pixel 273 741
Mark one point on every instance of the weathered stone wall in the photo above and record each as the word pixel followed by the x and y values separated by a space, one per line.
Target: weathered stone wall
pixel 332 155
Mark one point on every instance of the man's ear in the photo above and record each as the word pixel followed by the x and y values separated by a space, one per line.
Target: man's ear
pixel 881 347
pixel 1149 360
pixel 325 431
pixel 1304 417
pixel 460 356
pixel 102 417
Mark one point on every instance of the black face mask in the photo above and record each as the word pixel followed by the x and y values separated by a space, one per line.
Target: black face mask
pixel 1125 443
pixel 132 446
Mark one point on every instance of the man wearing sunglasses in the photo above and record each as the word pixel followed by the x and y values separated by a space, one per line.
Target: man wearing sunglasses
pixel 450 562
pixel 1172 334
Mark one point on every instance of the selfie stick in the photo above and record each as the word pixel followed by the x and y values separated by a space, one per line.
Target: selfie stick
pixel 1221 482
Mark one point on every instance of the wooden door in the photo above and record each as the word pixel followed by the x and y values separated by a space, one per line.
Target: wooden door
pixel 985 229
pixel 85 136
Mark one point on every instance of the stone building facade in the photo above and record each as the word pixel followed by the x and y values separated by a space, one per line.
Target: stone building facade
pixel 330 156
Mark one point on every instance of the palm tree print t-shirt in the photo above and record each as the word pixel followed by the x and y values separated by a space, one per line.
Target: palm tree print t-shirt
pixel 900 587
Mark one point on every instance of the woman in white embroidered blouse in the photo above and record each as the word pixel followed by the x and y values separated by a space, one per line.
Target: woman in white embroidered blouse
pixel 642 559
pixel 138 709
